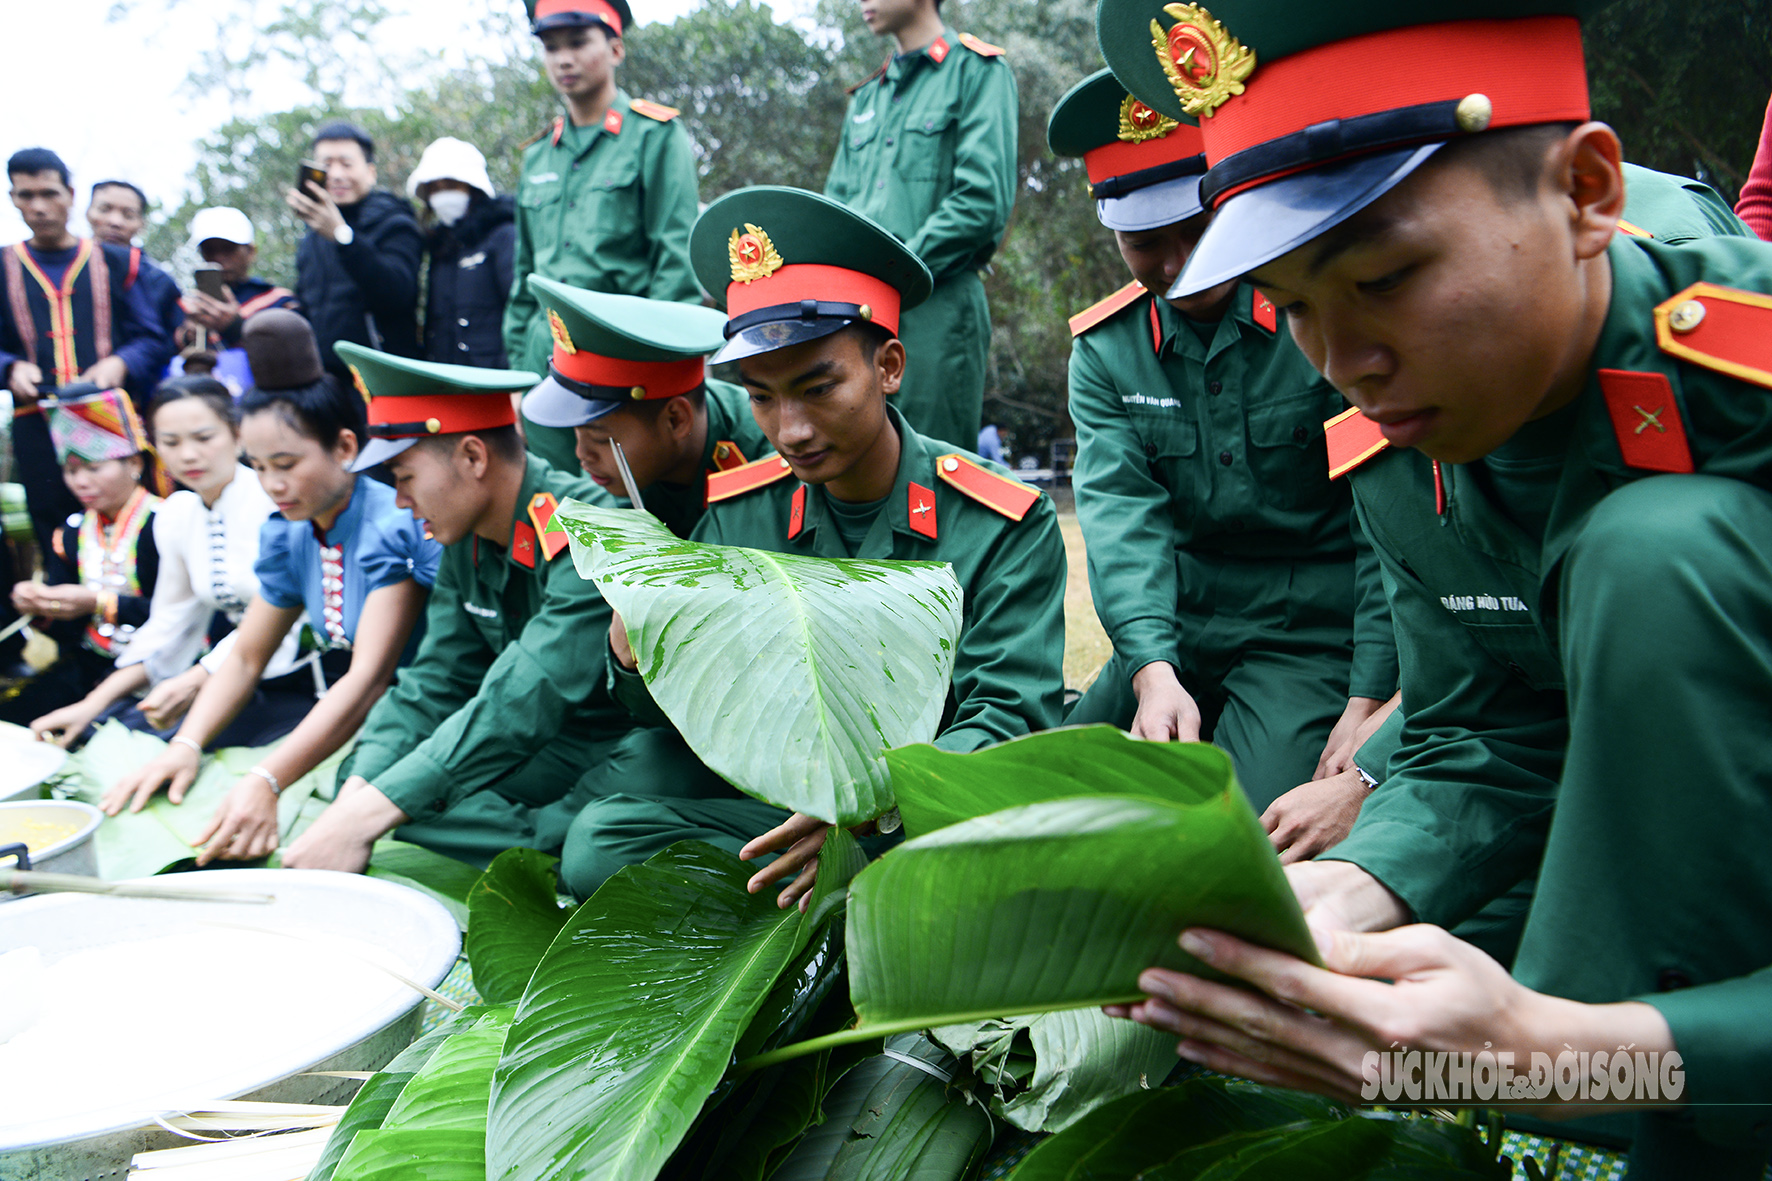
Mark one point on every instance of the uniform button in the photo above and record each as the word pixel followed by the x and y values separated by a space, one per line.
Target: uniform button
pixel 1299 434
pixel 950 464
pixel 575 165
pixel 1215 387
pixel 1686 317
pixel 889 141
pixel 1669 979
pixel 572 204
pixel 880 184
pixel 463 346
pixel 896 97
pixel 1225 457
pixel 1150 449
pixel 928 124
pixel 462 321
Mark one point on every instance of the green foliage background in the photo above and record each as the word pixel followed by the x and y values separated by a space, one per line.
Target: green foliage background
pixel 762 99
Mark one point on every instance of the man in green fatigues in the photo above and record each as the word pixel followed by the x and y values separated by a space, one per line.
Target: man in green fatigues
pixel 1221 558
pixel 477 746
pixel 1565 474
pixel 928 151
pixel 630 371
pixel 607 194
pixel 815 293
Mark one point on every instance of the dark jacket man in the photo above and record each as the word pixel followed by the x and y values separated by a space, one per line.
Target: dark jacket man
pixel 365 292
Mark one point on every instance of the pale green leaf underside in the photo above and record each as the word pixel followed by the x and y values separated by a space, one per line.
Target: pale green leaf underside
pixel 788 675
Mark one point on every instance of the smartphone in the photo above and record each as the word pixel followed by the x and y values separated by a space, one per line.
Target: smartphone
pixel 209 281
pixel 309 171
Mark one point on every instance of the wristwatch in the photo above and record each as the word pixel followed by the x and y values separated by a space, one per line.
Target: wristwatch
pixel 344 235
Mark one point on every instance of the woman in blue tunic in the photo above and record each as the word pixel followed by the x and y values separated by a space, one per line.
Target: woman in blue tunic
pixel 339 549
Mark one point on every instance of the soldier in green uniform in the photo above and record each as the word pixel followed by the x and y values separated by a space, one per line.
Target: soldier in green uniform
pixel 1565 473
pixel 1222 560
pixel 815 293
pixel 928 151
pixel 477 747
pixel 631 371
pixel 607 194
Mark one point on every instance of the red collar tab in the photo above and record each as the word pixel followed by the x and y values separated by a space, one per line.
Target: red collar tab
pixel 559 129
pixel 1353 439
pixel 1439 492
pixel 1264 313
pixel 1719 328
pixel 1010 497
pixel 727 456
pixel 612 121
pixel 523 545
pixel 938 51
pixel 787 286
pixel 438 414
pixel 1156 329
pixel 922 510
pixel 600 9
pixel 541 514
pixel 1646 420
pixel 797 512
pixel 1102 309
pixel 747 478
pixel 637 380
pixel 1457 76
pixel 1119 158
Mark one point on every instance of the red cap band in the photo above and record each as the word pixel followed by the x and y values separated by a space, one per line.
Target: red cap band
pixel 1120 158
pixel 1531 69
pixel 600 9
pixel 453 413
pixel 659 379
pixel 801 281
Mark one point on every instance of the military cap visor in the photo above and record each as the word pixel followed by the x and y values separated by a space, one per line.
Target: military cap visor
pixel 410 400
pixel 1151 208
pixel 613 15
pixel 1144 167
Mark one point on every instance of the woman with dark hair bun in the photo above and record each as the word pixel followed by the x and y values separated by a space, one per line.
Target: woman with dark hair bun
pixel 207 541
pixel 339 549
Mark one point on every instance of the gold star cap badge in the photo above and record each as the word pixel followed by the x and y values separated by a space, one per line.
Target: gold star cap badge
pixel 752 255
pixel 562 338
pixel 1139 123
pixel 1205 65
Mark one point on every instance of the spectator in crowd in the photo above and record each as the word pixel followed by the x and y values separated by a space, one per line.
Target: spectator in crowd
pixel 224 237
pixel 117 214
pixel 68 314
pixel 472 241
pixel 100 567
pixel 990 443
pixel 1755 204
pixel 356 270
pixel 206 538
pixel 340 549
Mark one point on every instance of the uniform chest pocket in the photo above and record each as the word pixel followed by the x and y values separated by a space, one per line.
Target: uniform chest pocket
pixel 1521 649
pixel 924 154
pixel 617 175
pixel 1170 444
pixel 859 135
pixel 540 196
pixel 1287 454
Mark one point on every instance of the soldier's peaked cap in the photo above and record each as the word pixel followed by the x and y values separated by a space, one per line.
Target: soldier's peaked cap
pixel 791 266
pixel 611 351
pixel 1144 167
pixel 410 400
pixel 614 15
pixel 1310 112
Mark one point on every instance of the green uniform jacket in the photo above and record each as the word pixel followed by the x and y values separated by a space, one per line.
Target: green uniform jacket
pixel 734 438
pixel 605 208
pixel 1201 473
pixel 1631 897
pixel 513 657
pixel 1676 209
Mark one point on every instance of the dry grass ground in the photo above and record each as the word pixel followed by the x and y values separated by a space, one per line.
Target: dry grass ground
pixel 1086 646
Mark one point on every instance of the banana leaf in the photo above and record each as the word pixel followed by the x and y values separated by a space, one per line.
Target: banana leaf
pixel 1081 1059
pixel 1058 905
pixel 788 675
pixel 514 913
pixel 936 788
pixel 632 1015
pixel 437 874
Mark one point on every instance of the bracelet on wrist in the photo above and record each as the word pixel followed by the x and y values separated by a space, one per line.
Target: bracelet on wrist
pixel 182 740
pixel 276 788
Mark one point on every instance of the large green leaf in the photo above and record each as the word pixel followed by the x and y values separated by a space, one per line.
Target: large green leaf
pixel 514 914
pixel 788 675
pixel 416 867
pixel 936 788
pixel 632 1015
pixel 415 1154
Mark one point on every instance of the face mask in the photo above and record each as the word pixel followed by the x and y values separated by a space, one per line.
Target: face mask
pixel 450 205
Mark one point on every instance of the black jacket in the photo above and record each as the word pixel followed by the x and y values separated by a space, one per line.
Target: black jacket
pixel 366 292
pixel 470 279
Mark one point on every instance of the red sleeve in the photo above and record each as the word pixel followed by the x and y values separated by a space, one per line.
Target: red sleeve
pixel 1755 206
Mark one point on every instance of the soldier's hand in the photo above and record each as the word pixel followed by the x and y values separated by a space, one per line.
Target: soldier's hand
pixel 1345 738
pixel 1340 896
pixel 1166 711
pixel 618 642
pixel 1314 816
pixel 802 837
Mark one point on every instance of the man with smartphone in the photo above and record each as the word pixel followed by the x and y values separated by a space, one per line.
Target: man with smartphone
pixel 356 271
pixel 228 293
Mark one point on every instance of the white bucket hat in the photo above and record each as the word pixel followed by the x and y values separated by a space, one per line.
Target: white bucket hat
pixel 451 159
pixel 221 221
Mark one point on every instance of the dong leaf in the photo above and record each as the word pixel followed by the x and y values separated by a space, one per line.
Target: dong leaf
pixel 788 675
pixel 427 871
pixel 514 915
pixel 632 1015
pixel 936 788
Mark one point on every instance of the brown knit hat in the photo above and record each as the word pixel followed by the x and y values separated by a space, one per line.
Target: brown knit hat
pixel 280 348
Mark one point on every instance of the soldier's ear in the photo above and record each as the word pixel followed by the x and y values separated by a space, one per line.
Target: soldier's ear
pixel 889 362
pixel 1589 169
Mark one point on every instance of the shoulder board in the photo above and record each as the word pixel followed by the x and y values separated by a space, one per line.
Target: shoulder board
pixel 1719 328
pixel 1353 439
pixel 747 478
pixel 727 456
pixel 653 110
pixel 981 48
pixel 1008 496
pixel 870 77
pixel 541 513
pixel 1635 231
pixel 1102 309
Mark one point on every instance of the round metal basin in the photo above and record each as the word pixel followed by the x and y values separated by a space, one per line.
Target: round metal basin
pixel 25 763
pixel 73 853
pixel 85 1118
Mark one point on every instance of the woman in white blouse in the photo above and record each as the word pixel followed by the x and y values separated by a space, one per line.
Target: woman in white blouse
pixel 207 539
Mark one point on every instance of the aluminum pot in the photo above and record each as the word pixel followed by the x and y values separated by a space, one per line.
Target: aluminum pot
pixel 74 853
pixel 25 763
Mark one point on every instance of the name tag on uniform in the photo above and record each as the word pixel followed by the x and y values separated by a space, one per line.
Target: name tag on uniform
pixel 542 178
pixel 472 261
pixel 482 612
pixel 864 116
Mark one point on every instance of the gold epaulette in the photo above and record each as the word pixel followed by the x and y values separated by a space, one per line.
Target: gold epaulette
pixel 1101 309
pixel 1004 494
pixel 748 478
pixel 1719 328
pixel 653 110
pixel 981 48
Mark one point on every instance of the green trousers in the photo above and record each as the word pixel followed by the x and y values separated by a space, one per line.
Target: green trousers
pixel 947 343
